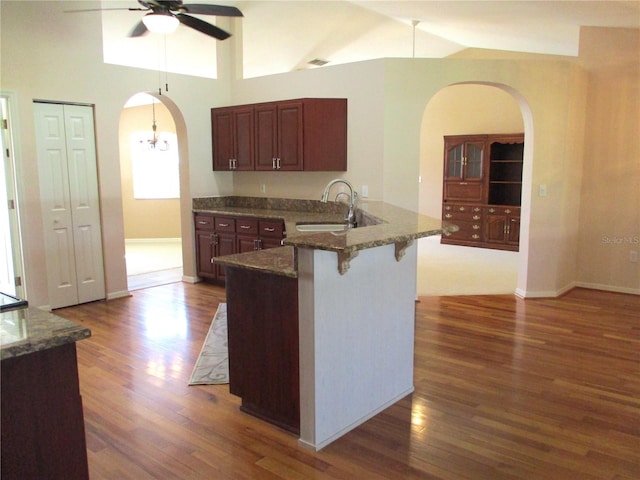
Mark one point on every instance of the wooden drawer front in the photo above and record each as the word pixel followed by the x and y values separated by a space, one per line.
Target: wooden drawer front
pixel 515 211
pixel 466 217
pixel 469 231
pixel 271 228
pixel 225 224
pixel 248 226
pixel 204 222
pixel 467 213
pixel 463 191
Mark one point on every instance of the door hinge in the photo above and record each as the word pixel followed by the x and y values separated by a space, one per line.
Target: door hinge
pixel 5 124
pixel 18 281
pixel 11 204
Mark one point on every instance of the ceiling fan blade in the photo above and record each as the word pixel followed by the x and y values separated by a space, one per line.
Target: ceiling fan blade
pixel 105 9
pixel 202 26
pixel 219 10
pixel 139 30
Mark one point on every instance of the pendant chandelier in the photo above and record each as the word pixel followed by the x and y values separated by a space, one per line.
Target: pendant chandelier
pixel 155 143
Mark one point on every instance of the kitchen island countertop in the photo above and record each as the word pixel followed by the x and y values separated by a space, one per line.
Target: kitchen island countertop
pixel 28 330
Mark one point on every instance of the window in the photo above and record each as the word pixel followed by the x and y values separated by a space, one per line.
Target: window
pixel 155 168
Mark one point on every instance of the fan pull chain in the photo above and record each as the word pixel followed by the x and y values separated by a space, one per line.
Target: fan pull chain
pixel 166 74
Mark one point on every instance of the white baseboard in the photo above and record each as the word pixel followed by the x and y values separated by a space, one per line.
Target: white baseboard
pixel 120 294
pixel 592 286
pixel 188 279
pixel 608 288
pixel 151 240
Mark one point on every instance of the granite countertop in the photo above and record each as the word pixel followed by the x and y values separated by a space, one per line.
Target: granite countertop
pixel 30 330
pixel 379 224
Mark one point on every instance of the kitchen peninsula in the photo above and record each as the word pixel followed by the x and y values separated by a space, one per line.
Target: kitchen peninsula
pixel 339 306
pixel 42 419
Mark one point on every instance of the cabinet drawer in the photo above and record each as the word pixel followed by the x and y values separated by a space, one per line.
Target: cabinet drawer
pixel 462 208
pixel 467 217
pixel 203 222
pixel 467 213
pixel 468 231
pixel 247 226
pixel 225 224
pixel 271 229
pixel 495 210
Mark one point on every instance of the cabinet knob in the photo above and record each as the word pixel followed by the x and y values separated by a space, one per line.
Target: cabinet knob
pixel 476 217
pixel 507 210
pixel 475 236
pixel 269 229
pixel 462 209
pixel 223 224
pixel 245 227
pixel 448 215
pixel 476 227
pixel 491 210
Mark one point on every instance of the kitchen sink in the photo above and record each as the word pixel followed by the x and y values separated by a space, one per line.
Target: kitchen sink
pixel 321 227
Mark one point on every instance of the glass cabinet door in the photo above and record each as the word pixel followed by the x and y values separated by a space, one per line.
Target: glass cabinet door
pixel 473 162
pixel 455 161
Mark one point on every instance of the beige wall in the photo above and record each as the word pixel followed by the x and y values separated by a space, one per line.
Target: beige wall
pixel 61 59
pixel 145 218
pixel 610 199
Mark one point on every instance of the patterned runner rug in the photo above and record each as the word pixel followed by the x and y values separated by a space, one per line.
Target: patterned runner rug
pixel 212 366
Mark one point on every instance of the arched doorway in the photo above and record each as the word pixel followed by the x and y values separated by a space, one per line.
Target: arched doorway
pixel 463 109
pixel 151 192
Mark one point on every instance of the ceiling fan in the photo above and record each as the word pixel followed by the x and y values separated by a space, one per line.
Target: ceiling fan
pixel 165 15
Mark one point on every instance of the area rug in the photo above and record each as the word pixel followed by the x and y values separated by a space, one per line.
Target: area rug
pixel 212 366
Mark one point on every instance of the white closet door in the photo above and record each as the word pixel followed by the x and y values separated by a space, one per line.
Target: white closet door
pixel 70 209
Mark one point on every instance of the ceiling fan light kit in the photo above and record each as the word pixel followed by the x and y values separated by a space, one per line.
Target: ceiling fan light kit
pixel 164 23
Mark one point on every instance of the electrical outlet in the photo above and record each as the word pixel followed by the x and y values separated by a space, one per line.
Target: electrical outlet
pixel 633 256
pixel 364 193
pixel 263 188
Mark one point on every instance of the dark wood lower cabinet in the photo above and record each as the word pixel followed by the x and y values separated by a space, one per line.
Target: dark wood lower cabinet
pixel 262 316
pixel 42 420
pixel 217 236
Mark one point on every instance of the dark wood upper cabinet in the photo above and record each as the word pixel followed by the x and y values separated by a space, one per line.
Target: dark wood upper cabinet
pixel 232 135
pixel 308 134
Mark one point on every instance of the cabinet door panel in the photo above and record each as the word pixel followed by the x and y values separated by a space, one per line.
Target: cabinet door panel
pixel 290 136
pixel 266 136
pixel 455 155
pixel 495 228
pixel 474 161
pixel 225 245
pixel 222 138
pixel 247 243
pixel 513 233
pixel 243 138
pixel 204 254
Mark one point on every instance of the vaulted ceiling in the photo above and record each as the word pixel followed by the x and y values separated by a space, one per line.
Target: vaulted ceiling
pixel 282 36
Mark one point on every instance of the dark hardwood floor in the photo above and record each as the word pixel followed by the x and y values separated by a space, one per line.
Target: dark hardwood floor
pixel 505 389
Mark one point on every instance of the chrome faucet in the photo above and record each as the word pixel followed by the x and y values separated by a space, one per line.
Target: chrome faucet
pixel 351 215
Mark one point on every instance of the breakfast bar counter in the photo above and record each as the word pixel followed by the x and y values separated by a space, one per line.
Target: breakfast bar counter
pixel 321 330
